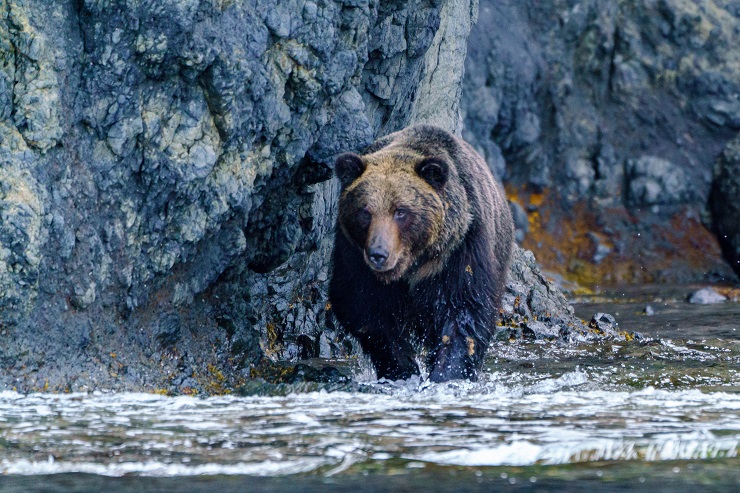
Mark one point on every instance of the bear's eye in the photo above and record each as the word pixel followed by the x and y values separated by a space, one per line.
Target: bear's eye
pixel 364 217
pixel 400 214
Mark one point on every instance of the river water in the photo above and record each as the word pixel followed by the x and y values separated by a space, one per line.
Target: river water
pixel 662 414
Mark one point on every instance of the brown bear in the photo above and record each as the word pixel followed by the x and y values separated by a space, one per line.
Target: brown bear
pixel 422 250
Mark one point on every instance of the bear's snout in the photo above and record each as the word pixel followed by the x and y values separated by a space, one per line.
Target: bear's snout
pixel 378 254
pixel 377 257
pixel 381 250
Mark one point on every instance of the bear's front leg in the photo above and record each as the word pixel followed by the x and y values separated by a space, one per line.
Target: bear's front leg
pixel 458 352
pixel 392 357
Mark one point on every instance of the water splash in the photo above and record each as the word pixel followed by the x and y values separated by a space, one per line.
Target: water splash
pixel 562 419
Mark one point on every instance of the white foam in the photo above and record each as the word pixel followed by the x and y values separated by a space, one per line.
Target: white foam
pixel 154 468
pixel 544 420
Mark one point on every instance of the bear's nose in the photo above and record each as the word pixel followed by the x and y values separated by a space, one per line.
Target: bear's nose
pixel 377 257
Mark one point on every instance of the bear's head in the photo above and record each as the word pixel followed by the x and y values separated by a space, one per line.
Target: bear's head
pixel 394 208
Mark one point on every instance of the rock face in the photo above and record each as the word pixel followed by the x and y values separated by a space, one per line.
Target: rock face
pixel 166 211
pixel 166 208
pixel 605 119
pixel 726 203
pixel 535 308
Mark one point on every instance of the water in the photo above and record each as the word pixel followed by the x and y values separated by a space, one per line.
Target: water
pixel 653 416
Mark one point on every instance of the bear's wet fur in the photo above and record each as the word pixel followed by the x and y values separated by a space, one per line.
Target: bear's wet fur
pixel 421 255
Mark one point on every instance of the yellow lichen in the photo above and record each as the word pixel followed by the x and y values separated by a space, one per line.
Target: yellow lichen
pixel 471 346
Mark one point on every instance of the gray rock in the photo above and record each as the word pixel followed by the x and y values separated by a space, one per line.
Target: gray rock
pixel 499 100
pixel 534 308
pixel 726 203
pixel 656 181
pixel 540 330
pixel 604 324
pixel 36 95
pixel 439 102
pixel 521 220
pixel 22 236
pixel 706 296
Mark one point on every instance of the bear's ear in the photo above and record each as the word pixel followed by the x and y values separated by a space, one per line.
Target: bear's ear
pixel 434 171
pixel 348 168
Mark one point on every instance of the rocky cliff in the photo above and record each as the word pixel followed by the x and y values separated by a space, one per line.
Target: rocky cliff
pixel 166 208
pixel 166 201
pixel 606 120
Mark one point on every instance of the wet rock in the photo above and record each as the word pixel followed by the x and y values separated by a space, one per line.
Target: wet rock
pixel 605 324
pixel 706 296
pixel 725 202
pixel 271 378
pixel 540 330
pixel 535 308
pixel 328 374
